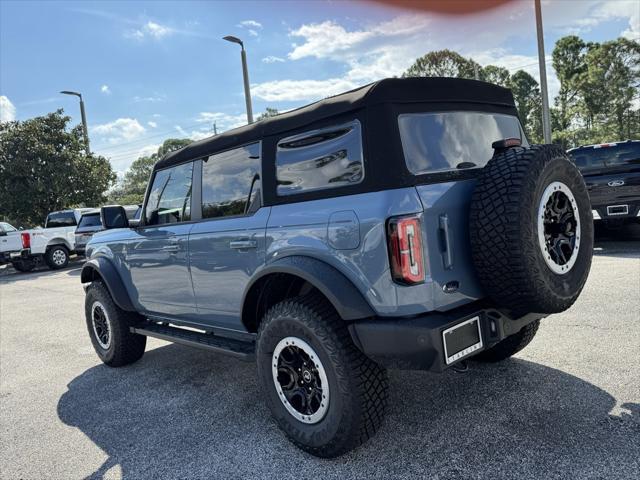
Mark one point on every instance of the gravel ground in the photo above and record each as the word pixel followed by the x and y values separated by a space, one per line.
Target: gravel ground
pixel 568 406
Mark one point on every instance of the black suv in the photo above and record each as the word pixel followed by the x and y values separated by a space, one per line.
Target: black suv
pixel 612 174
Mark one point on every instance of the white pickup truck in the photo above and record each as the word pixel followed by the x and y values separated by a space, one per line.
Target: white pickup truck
pixel 52 244
pixel 9 241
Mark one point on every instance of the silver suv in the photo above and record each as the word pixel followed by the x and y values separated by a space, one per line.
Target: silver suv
pixel 405 224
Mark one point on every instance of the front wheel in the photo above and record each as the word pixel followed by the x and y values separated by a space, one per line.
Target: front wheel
pixel 109 326
pixel 325 395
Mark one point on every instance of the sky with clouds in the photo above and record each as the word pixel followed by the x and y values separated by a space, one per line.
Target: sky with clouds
pixel 154 70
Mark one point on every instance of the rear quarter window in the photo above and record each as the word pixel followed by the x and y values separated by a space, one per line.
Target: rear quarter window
pixel 320 159
pixel 441 141
pixel 92 220
pixel 60 219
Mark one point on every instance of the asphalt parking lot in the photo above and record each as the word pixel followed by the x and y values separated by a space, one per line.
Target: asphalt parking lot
pixel 568 406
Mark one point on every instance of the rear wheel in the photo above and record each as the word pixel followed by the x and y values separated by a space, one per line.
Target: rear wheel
pixel 325 395
pixel 57 257
pixel 109 326
pixel 510 345
pixel 23 265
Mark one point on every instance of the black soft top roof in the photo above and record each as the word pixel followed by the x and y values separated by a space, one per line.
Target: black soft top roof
pixel 389 90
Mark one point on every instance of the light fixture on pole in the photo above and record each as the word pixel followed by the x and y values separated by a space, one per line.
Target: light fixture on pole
pixel 84 119
pixel 245 75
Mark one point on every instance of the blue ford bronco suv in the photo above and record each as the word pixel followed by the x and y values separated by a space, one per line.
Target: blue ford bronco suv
pixel 404 224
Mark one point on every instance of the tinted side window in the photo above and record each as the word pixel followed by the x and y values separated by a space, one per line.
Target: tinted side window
pixel 6 227
pixel 325 158
pixel 60 219
pixel 606 156
pixel 228 179
pixel 170 197
pixel 90 220
pixel 436 142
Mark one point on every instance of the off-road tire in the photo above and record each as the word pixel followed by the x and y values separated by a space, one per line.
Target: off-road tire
pixel 52 252
pixel 24 266
pixel 125 347
pixel 510 345
pixel 504 219
pixel 358 387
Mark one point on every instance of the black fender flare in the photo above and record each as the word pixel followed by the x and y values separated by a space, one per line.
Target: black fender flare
pixel 102 268
pixel 335 286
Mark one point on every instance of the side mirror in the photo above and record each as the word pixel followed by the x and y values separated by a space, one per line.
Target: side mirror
pixel 113 216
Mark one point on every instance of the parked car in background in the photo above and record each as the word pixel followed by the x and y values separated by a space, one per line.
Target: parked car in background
pixel 404 224
pixel 52 244
pixel 9 241
pixel 612 174
pixel 90 223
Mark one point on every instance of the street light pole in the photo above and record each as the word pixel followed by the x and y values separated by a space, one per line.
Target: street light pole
pixel 245 75
pixel 85 131
pixel 546 120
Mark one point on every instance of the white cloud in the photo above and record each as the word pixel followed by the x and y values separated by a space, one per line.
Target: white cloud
pixel 298 90
pixel 152 124
pixel 148 150
pixel 7 110
pixel 272 59
pixel 223 121
pixel 388 48
pixel 253 33
pixel 151 98
pixel 105 89
pixel 151 29
pixel 250 24
pixel 122 129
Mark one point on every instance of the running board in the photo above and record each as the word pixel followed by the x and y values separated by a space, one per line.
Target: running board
pixel 236 348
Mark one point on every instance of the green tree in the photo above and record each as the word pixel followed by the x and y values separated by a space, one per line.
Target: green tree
pixel 43 167
pixel 526 94
pixel 496 75
pixel 609 86
pixel 568 58
pixel 443 63
pixel 130 190
pixel 269 112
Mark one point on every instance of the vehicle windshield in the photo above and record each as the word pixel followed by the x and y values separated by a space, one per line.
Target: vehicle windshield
pixel 60 219
pixel 441 141
pixel 90 220
pixel 589 158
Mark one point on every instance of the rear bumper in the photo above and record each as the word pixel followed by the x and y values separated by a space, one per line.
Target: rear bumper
pixel 416 343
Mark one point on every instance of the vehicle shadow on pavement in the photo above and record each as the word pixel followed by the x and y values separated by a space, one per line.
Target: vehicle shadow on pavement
pixel 8 274
pixel 185 413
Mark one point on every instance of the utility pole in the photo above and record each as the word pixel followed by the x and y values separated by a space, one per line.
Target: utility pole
pixel 245 75
pixel 215 129
pixel 85 131
pixel 546 117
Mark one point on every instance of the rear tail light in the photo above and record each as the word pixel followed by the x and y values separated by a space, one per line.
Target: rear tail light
pixel 26 240
pixel 405 250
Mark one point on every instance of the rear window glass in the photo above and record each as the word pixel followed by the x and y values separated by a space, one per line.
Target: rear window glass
pixel 606 156
pixel 320 159
pixel 92 220
pixel 441 141
pixel 60 219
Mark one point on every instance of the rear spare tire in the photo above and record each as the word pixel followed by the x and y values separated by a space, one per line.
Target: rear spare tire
pixel 531 230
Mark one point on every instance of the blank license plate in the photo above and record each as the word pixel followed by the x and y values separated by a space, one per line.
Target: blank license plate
pixel 462 340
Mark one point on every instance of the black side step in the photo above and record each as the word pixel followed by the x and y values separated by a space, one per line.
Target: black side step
pixel 239 349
